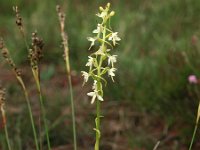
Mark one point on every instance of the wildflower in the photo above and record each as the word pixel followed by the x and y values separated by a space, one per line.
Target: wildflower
pixel 85 76
pixel 102 15
pixel 192 79
pixel 95 95
pixel 100 51
pixel 101 62
pixel 98 29
pixel 112 59
pixel 111 72
pixel 94 87
pixel 114 37
pixel 90 62
pixel 92 40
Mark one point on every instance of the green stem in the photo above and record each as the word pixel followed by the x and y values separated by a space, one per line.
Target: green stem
pixel 31 117
pixel 98 113
pixel 193 136
pixel 67 65
pixel 26 93
pixel 44 120
pixel 29 109
pixel 37 80
pixel 97 143
pixel 7 137
pixel 72 102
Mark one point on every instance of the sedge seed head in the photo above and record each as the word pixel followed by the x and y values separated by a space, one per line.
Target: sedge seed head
pixel 18 17
pixel 7 57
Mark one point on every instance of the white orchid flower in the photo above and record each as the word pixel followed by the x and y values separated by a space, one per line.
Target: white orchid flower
pixel 111 73
pixel 92 40
pixel 112 59
pixel 85 76
pixel 95 95
pixel 114 38
pixel 94 87
pixel 98 29
pixel 102 15
pixel 90 62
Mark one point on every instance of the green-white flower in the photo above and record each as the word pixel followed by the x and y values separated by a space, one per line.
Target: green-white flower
pixel 112 59
pixel 98 29
pixel 111 72
pixel 102 15
pixel 92 40
pixel 102 61
pixel 90 62
pixel 100 51
pixel 114 38
pixel 95 94
pixel 85 76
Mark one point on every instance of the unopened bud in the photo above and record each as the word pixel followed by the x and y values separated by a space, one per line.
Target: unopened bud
pixel 101 8
pixel 112 13
pixel 108 5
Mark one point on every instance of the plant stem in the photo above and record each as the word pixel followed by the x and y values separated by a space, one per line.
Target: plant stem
pixel 37 80
pixel 193 136
pixel 98 113
pixel 7 137
pixel 44 120
pixel 32 122
pixel 30 111
pixel 68 71
pixel 72 102
pixel 97 126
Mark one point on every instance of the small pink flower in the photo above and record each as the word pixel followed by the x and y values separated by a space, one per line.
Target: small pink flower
pixel 192 79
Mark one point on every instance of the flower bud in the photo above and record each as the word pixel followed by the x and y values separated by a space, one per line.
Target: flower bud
pixel 108 5
pixel 112 13
pixel 101 8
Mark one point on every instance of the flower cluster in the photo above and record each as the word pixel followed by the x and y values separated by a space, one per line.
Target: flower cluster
pixel 101 62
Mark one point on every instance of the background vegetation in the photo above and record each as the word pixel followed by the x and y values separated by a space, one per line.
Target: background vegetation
pixel 160 48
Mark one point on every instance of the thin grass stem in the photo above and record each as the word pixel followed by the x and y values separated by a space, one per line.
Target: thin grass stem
pixel 37 81
pixel 30 111
pixel 7 137
pixel 45 121
pixel 73 111
pixel 193 136
pixel 64 37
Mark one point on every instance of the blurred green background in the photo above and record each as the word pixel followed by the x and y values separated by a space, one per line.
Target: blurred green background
pixel 159 49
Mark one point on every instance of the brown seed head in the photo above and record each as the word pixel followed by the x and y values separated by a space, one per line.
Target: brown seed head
pixel 2 105
pixel 35 53
pixel 2 96
pixel 18 17
pixel 1 43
